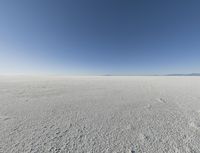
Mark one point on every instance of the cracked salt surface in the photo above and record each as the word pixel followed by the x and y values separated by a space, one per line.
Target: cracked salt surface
pixel 99 114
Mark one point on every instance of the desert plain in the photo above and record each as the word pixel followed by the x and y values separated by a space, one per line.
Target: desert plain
pixel 99 114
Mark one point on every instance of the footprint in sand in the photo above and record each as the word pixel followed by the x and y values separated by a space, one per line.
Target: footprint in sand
pixel 195 125
pixel 190 149
pixel 4 118
pixel 131 151
pixel 161 100
pixel 143 137
pixel 129 128
pixel 149 106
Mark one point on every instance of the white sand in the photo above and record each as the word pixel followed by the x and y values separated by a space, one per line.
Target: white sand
pixel 100 114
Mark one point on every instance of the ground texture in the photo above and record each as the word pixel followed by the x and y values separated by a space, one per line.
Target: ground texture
pixel 99 114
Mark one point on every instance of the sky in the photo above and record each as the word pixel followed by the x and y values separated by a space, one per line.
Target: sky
pixel 98 37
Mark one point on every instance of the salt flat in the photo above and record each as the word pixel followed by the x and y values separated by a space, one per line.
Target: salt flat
pixel 99 114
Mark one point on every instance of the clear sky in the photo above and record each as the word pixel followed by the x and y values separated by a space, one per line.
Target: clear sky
pixel 99 36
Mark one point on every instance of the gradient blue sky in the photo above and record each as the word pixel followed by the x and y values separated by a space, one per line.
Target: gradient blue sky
pixel 99 36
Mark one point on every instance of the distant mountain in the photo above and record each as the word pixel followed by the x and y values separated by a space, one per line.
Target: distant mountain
pixel 191 74
pixel 173 74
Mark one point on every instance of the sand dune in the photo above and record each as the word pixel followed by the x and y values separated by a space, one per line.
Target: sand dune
pixel 100 114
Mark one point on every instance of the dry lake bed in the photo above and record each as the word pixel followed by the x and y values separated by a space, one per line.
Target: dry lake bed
pixel 102 114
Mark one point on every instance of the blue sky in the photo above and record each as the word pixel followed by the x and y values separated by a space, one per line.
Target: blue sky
pixel 95 37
